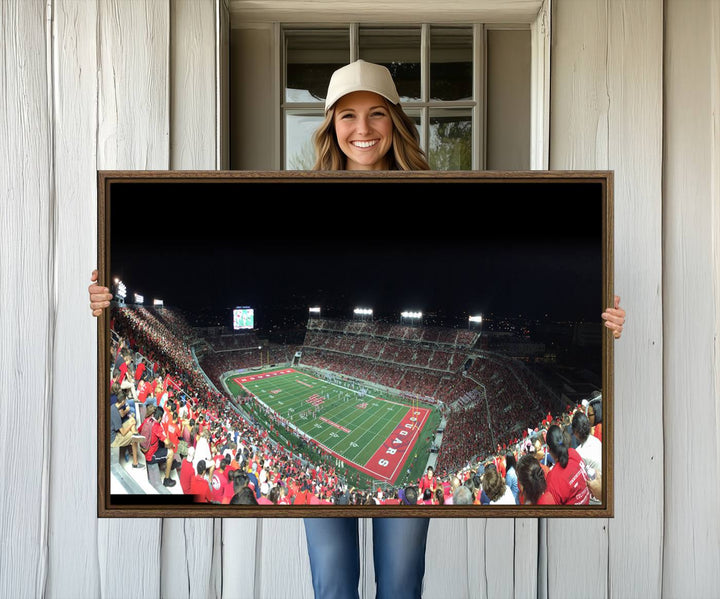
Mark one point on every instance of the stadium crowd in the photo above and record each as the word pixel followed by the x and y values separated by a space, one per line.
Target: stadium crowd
pixel 215 363
pixel 197 437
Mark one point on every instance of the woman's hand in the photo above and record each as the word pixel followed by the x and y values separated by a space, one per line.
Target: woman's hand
pixel 99 296
pixel 615 318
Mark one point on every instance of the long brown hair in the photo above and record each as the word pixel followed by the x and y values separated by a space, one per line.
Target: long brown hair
pixel 405 154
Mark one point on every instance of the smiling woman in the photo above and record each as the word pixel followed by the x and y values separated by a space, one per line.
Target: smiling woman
pixel 365 128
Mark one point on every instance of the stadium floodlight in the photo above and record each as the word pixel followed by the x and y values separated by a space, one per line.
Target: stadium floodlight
pixel 120 288
pixel 363 313
pixel 475 322
pixel 412 315
pixel 158 302
pixel 139 299
pixel 314 310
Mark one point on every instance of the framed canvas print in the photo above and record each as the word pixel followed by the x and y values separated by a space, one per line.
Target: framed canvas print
pixel 292 344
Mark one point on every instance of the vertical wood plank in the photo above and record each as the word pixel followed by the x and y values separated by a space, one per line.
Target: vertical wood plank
pixel 187 557
pixel 191 565
pixel 635 139
pixel 607 114
pixel 542 564
pixel 74 498
pixel 133 129
pixel 690 289
pixel 451 564
pixel 579 98
pixel 193 85
pixel 133 104
pixel 282 565
pixel 499 557
pixel 525 559
pixel 27 314
pixel 240 557
pixel 578 140
pixel 475 562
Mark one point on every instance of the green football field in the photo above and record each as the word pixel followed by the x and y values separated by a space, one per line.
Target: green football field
pixel 374 434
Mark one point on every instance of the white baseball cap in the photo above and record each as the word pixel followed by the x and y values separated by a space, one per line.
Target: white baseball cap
pixel 361 76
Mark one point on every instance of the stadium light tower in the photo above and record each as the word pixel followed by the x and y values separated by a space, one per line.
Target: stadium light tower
pixel 158 303
pixel 475 322
pixel 314 311
pixel 363 313
pixel 119 291
pixel 411 317
pixel 139 299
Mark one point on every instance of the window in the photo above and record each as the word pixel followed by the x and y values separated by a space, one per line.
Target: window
pixel 468 88
pixel 441 75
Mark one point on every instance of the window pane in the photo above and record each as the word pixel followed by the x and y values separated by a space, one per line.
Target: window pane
pixel 450 145
pixel 299 151
pixel 508 100
pixel 415 117
pixel 399 50
pixel 451 63
pixel 311 57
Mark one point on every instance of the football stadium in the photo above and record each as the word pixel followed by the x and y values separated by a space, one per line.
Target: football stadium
pixel 356 412
pixel 380 356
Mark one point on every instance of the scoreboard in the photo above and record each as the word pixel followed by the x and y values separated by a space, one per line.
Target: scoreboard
pixel 243 318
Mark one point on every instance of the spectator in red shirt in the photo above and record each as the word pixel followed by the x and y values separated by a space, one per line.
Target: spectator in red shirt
pixel 172 428
pixel 567 479
pixel 229 489
pixel 160 449
pixel 428 481
pixel 532 483
pixel 187 471
pixel 143 390
pixel 200 485
pixel 219 482
pixel 139 372
pixel 304 495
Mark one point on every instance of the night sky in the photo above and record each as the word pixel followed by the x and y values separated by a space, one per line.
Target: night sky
pixel 454 247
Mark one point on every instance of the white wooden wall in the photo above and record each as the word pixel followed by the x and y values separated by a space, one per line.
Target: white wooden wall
pixel 132 84
pixel 691 291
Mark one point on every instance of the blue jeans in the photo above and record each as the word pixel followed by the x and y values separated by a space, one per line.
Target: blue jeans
pixel 398 556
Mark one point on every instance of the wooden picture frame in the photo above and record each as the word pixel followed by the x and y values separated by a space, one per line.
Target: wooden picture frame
pixel 533 250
